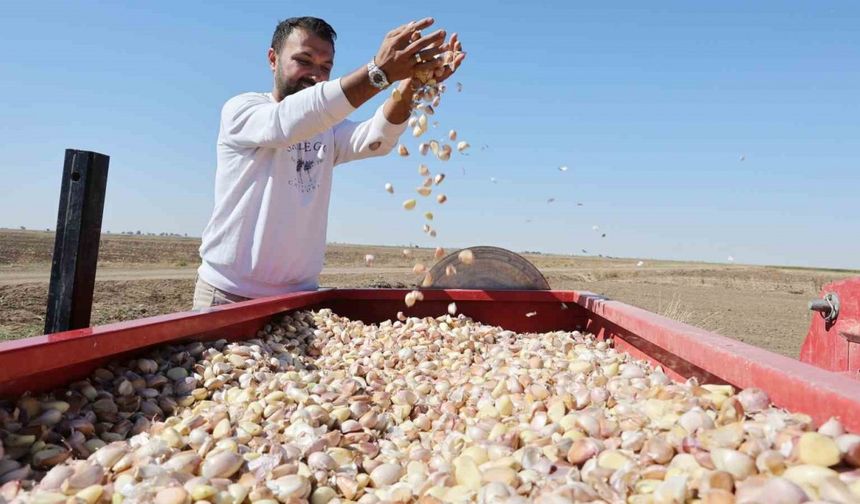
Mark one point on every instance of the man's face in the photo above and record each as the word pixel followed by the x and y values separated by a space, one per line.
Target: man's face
pixel 304 60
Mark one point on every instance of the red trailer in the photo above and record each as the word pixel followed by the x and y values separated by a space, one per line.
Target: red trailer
pixel 823 383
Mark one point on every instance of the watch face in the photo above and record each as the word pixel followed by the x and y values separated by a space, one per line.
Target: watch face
pixel 377 77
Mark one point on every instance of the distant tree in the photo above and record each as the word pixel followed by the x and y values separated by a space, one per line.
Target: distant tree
pixel 23 228
pixel 138 232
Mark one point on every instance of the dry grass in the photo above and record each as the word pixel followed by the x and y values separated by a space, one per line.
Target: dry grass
pixel 675 309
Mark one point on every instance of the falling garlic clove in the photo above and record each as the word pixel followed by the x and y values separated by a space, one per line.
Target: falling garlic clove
pixel 417 131
pixel 444 153
pixel 409 204
pixel 389 188
pixel 466 256
pixel 422 121
pixel 450 270
pixel 412 297
pixel 462 146
pixel 432 233
pixel 428 182
pixel 428 109
pixel 531 314
pixel 434 147
pixel 423 147
pixel 402 150
pixel 413 121
pixel 428 280
pixel 419 269
pixel 426 228
pixel 438 99
pixel 407 253
pixel 423 170
pixel 439 178
pixel 441 198
pixel 424 191
pixel 428 215
pixel 452 135
pixel 396 95
pixel 452 308
pixel 368 259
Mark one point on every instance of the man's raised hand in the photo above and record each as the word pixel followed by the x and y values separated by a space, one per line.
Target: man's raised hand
pixel 400 57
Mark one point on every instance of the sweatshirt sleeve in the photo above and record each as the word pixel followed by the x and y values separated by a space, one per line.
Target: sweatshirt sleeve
pixel 254 120
pixel 354 140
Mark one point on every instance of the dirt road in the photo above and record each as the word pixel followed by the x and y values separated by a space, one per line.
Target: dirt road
pixel 104 274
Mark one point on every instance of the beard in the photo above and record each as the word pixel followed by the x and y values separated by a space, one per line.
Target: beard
pixel 287 87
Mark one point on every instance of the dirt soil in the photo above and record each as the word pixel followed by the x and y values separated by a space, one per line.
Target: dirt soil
pixel 141 276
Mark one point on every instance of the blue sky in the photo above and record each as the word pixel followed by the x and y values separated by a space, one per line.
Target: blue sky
pixel 649 104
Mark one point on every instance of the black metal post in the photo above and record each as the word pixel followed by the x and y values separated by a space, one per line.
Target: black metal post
pixel 76 246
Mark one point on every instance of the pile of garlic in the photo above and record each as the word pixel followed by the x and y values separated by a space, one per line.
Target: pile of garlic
pixel 321 409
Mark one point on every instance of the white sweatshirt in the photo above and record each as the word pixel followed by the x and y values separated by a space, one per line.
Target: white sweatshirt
pixel 267 233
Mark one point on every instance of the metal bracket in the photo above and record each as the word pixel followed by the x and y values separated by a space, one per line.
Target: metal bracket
pixel 828 307
pixel 76 246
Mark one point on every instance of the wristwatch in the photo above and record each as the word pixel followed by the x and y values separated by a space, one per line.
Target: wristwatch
pixel 377 76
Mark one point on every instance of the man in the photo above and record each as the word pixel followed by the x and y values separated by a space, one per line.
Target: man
pixel 276 152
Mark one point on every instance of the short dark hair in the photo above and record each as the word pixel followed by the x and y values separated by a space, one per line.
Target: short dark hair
pixel 313 25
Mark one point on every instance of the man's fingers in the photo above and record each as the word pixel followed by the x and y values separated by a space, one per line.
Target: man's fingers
pixel 402 29
pixel 433 38
pixel 397 31
pixel 411 27
pixel 447 70
pixel 452 41
pixel 456 63
pixel 423 23
pixel 428 54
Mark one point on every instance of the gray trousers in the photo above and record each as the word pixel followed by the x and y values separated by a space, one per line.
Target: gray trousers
pixel 206 296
